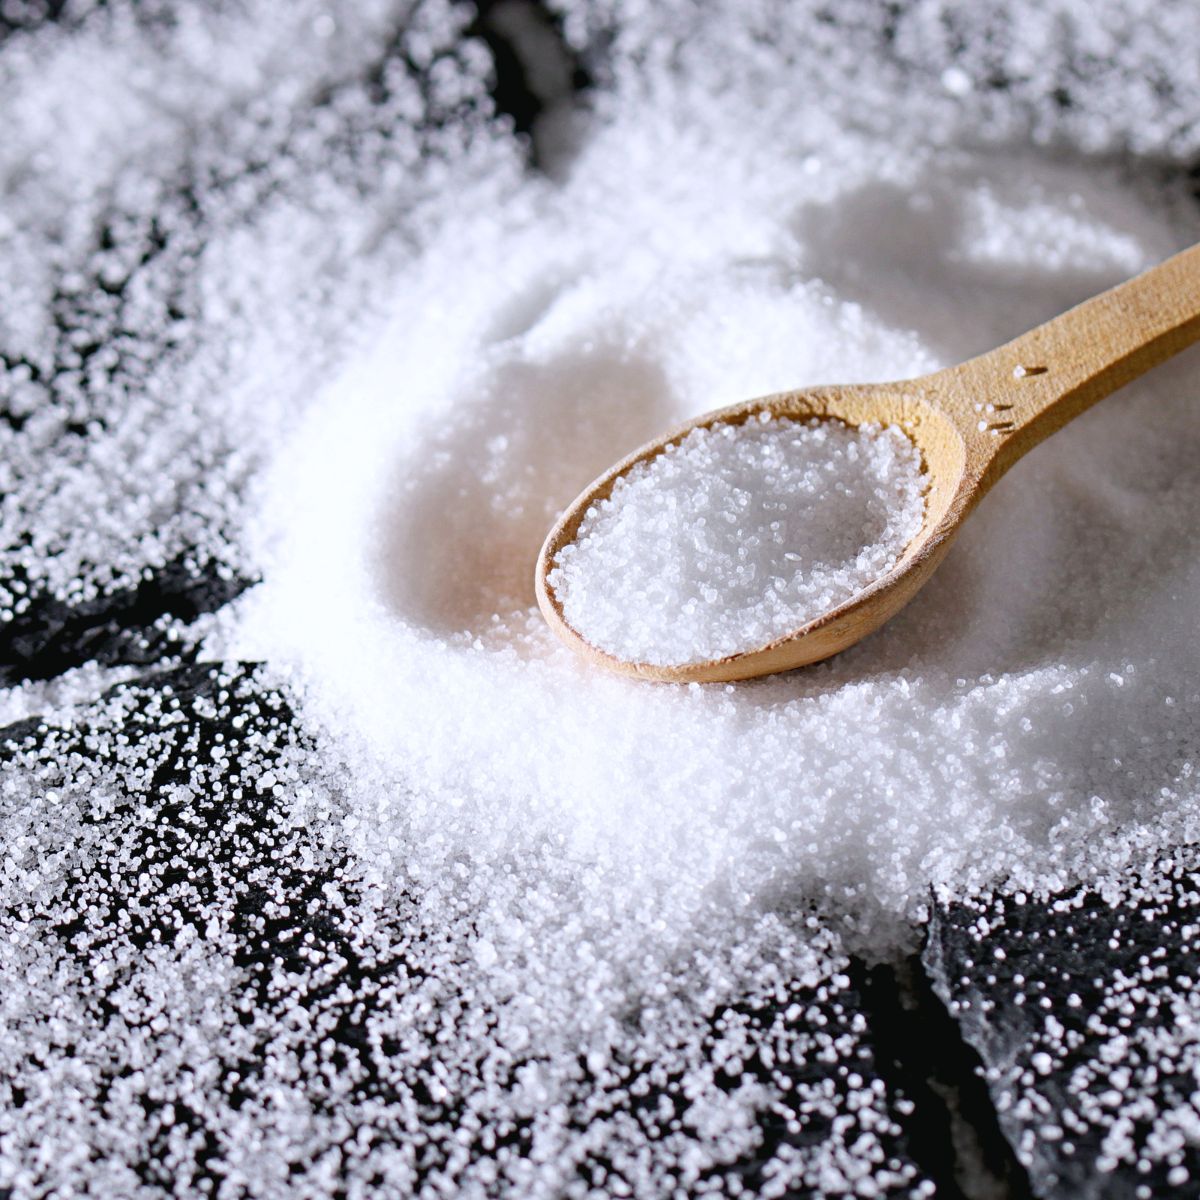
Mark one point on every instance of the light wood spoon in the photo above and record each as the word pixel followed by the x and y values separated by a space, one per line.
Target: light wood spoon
pixel 970 423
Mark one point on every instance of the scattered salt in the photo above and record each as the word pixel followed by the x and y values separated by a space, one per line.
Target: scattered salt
pixel 737 535
pixel 317 321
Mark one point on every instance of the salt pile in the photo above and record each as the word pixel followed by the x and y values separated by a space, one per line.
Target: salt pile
pixel 351 344
pixel 737 535
pixel 1015 723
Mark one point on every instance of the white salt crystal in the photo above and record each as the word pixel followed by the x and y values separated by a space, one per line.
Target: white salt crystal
pixel 526 853
pixel 738 535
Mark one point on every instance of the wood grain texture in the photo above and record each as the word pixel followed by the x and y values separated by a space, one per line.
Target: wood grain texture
pixel 970 422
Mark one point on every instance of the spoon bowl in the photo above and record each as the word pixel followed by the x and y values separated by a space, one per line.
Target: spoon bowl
pixel 970 423
pixel 944 458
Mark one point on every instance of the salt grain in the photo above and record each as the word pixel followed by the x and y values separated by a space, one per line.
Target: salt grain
pixel 366 354
pixel 737 535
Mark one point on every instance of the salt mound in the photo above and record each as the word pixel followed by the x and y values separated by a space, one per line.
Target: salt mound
pixel 1032 716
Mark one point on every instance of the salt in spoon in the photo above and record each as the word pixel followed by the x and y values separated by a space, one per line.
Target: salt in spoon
pixel 970 423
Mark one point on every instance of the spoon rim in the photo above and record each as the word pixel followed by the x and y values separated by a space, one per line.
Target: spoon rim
pixel 921 555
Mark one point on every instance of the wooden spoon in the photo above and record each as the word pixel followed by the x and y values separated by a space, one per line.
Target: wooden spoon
pixel 970 423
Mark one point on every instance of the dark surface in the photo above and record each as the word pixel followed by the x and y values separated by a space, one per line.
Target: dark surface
pixel 1083 1010
pixel 191 852
pixel 129 626
pixel 534 69
pixel 955 1134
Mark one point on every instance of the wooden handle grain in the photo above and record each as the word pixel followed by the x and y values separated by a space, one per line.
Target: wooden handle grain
pixel 1007 401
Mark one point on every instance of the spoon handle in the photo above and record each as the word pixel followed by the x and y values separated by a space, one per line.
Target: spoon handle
pixel 1006 401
